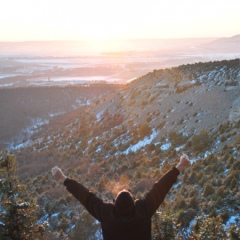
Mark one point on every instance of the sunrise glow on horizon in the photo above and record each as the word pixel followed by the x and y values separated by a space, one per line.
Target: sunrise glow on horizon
pixel 45 20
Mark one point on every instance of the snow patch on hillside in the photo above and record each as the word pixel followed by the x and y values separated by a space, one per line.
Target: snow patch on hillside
pixel 143 143
pixel 233 220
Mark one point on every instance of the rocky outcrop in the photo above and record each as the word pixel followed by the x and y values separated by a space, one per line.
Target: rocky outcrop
pixel 234 115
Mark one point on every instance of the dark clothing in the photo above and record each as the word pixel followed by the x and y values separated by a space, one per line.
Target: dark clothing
pixel 134 227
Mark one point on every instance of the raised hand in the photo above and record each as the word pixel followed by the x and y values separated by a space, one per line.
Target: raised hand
pixel 183 163
pixel 58 174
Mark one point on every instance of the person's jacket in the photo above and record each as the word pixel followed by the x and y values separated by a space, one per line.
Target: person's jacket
pixel 134 227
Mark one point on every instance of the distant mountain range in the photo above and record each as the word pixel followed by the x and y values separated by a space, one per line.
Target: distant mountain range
pixel 84 48
pixel 231 44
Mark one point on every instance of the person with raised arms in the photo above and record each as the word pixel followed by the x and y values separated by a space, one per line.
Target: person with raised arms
pixel 126 218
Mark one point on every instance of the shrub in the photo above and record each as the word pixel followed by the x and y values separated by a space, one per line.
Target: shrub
pixel 180 204
pixel 234 174
pixel 144 130
pixel 212 228
pixel 234 232
pixel 194 202
pixel 223 138
pixel 149 119
pixel 86 227
pixel 208 189
pixel 225 216
pixel 236 165
pixel 220 191
pixel 184 217
pixel 154 161
pixel 237 140
pixel 202 141
pixel 177 138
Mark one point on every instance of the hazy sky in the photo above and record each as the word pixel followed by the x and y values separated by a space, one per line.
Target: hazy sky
pixel 23 20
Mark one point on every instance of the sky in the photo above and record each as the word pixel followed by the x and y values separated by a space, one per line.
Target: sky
pixel 43 20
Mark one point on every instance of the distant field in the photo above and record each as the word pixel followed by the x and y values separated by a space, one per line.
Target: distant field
pixel 69 62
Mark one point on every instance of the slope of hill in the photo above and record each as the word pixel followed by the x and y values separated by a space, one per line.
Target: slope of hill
pixel 129 138
pixel 23 110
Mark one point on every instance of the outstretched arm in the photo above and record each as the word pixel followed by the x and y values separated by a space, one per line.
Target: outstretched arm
pixel 160 188
pixel 88 199
pixel 80 192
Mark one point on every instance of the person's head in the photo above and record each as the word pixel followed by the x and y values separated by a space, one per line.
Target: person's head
pixel 124 203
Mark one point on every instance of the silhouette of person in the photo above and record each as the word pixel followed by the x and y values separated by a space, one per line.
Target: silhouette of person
pixel 126 218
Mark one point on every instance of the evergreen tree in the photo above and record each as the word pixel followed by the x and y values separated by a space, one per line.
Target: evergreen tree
pixel 17 214
pixel 164 227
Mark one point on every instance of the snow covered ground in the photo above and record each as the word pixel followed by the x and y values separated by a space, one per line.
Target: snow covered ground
pixel 143 143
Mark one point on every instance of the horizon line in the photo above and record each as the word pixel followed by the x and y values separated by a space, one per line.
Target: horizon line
pixel 117 39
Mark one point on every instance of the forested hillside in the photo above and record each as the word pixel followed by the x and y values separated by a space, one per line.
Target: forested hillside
pixel 130 138
pixel 24 109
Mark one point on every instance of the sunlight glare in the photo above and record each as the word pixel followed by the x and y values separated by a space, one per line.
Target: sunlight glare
pixel 28 20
